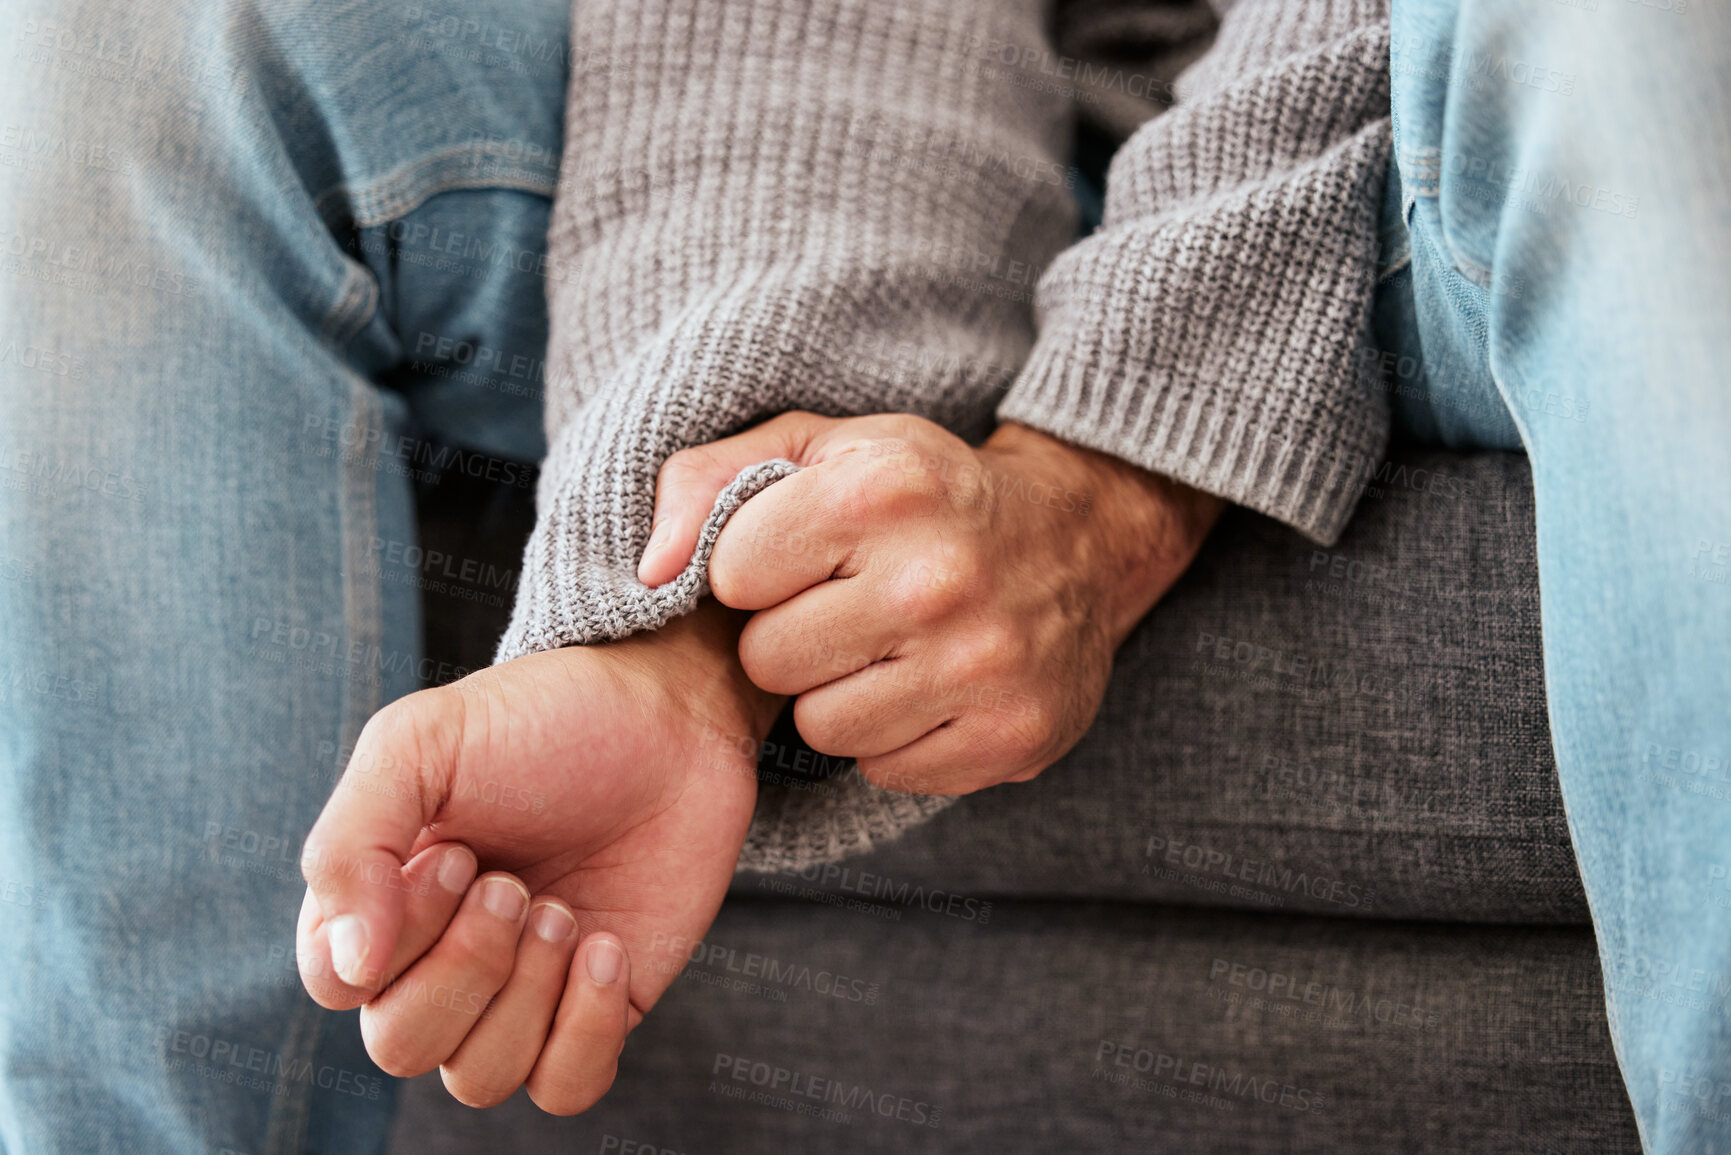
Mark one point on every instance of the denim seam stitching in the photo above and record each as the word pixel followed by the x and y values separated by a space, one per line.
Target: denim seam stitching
pixel 411 184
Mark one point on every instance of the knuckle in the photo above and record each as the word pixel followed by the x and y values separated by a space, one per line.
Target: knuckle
pixel 910 427
pixel 761 662
pixel 688 464
pixel 396 1056
pixel 1025 736
pixel 566 1095
pixel 821 727
pixel 890 483
pixel 910 599
pixel 800 420
pixel 479 955
pixel 470 1091
pixel 977 656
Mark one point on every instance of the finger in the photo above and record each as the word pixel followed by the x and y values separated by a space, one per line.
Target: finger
pixel 435 879
pixel 831 518
pixel 980 748
pixel 691 480
pixel 500 1052
pixel 783 541
pixel 877 711
pixel 581 1055
pixel 355 852
pixel 422 1018
pixel 823 634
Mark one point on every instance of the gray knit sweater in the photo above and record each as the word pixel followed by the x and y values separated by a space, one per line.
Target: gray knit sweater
pixel 844 207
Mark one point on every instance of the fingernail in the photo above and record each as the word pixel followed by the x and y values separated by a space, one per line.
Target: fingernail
pixel 603 960
pixel 348 939
pixel 457 869
pixel 552 923
pixel 657 539
pixel 504 898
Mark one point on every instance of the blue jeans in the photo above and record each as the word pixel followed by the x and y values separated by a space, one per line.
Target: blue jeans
pixel 1558 276
pixel 261 267
pixel 260 264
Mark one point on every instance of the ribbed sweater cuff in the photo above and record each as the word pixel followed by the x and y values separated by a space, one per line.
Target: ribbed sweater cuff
pixel 1223 343
pixel 581 600
pixel 1231 453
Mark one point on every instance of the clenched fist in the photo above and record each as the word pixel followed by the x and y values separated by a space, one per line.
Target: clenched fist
pixel 946 615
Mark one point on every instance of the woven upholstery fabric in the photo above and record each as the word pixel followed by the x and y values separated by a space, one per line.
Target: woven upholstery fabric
pixel 1357 731
pixel 1110 1027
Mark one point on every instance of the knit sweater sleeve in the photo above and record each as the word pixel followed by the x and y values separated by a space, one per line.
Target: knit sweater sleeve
pixel 768 205
pixel 1215 328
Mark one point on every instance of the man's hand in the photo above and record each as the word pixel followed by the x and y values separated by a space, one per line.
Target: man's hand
pixel 947 615
pixel 615 783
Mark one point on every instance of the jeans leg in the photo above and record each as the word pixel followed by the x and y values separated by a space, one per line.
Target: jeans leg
pixel 1564 168
pixel 197 465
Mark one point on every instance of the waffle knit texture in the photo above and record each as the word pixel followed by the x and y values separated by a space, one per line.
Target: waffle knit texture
pixel 769 205
pixel 1215 328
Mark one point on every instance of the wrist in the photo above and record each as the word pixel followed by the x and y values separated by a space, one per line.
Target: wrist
pixel 696 656
pixel 1129 534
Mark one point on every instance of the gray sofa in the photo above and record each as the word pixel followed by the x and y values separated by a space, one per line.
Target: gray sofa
pixel 1305 886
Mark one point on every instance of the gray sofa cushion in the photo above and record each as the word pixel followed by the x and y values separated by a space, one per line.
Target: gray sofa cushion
pixel 1357 731
pixel 1104 1027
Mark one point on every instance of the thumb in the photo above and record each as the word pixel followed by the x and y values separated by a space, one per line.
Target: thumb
pixel 354 856
pixel 692 479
